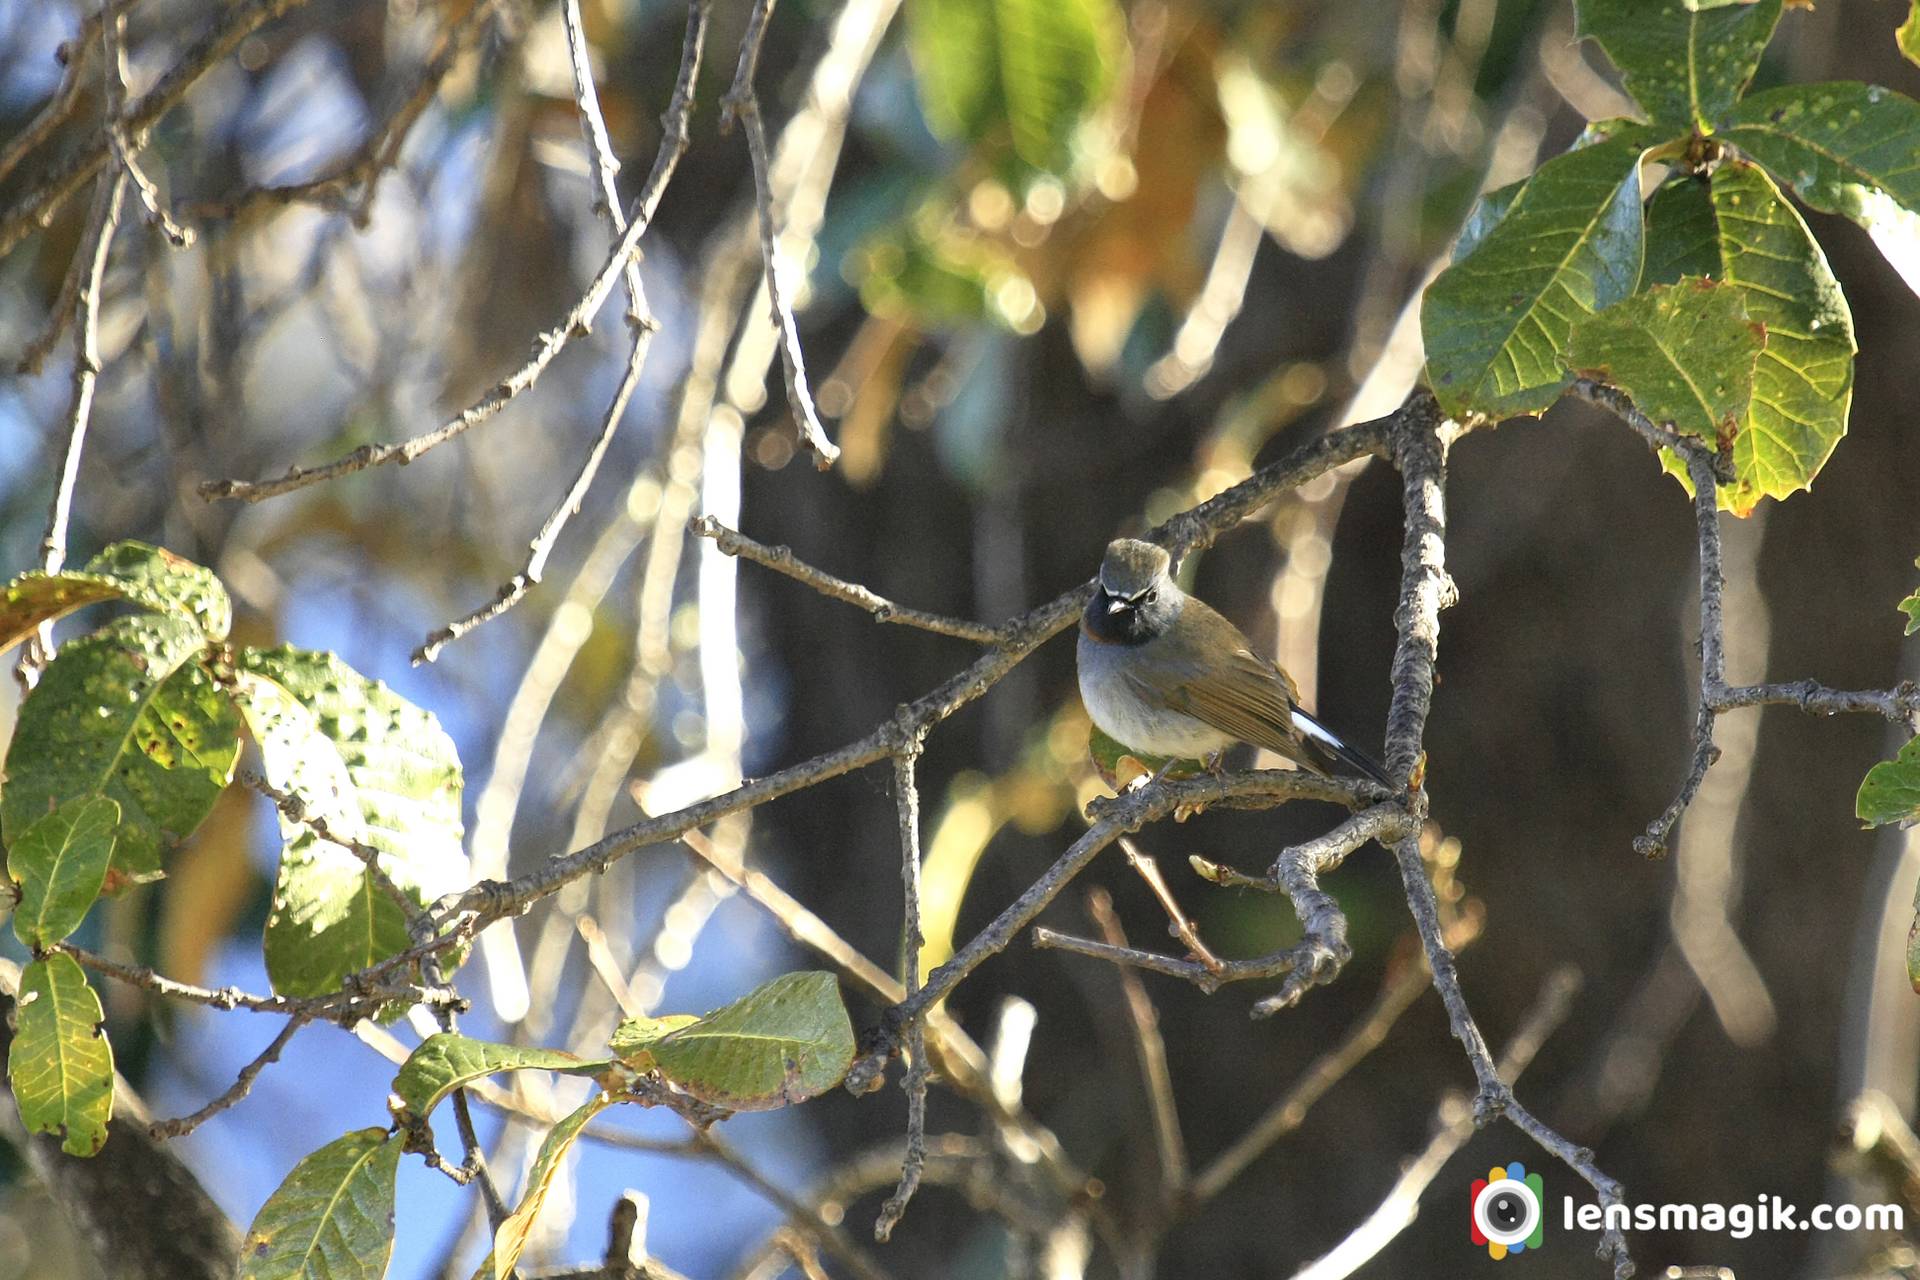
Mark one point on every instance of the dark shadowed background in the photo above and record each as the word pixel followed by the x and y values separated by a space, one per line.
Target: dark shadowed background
pixel 1000 423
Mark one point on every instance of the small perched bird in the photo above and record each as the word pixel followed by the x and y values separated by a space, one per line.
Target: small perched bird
pixel 1164 674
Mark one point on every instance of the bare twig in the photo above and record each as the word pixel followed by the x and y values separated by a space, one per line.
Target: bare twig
pixel 1658 435
pixel 782 560
pixel 1290 1109
pixel 1425 590
pixel 516 587
pixel 58 108
pixel 1322 950
pixel 36 209
pixel 1713 663
pixel 1178 922
pixel 91 259
pixel 741 104
pixel 351 187
pixel 907 802
pixel 549 344
pixel 1149 1046
pixel 241 1087
pixel 125 152
pixel 1113 818
pixel 1456 1126
pixel 1900 704
pixel 363 997
pixel 639 316
pixel 810 1221
pixel 963 1065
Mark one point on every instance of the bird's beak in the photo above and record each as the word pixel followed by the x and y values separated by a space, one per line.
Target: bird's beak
pixel 1114 605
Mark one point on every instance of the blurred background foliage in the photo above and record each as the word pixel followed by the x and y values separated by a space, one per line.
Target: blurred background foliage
pixel 1079 265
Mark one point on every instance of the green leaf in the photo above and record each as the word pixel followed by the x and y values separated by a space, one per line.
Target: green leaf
pixel 1570 244
pixel 511 1238
pixel 1825 140
pixel 444 1062
pixel 61 1066
pixel 1486 214
pixel 1803 381
pixel 133 571
pixel 60 864
pixel 1907 35
pixel 1683 62
pixel 378 770
pixel 1035 69
pixel 332 1219
pixel 634 1036
pixel 783 1043
pixel 159 579
pixel 1911 607
pixel 1684 353
pixel 130 712
pixel 1891 790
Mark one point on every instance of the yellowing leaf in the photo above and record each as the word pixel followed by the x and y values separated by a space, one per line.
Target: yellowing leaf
pixel 61 1066
pixel 511 1239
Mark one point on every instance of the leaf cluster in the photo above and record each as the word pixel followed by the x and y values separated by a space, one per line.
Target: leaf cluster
pixel 1705 299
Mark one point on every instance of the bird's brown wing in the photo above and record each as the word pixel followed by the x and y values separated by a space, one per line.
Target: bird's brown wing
pixel 1204 667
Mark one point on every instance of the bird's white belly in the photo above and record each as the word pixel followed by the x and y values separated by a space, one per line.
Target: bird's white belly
pixel 1132 722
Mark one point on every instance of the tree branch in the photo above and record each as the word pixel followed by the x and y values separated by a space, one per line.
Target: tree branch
pixel 782 560
pixel 547 345
pixel 741 104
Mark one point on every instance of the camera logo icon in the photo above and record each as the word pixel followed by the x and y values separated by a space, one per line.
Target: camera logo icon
pixel 1507 1216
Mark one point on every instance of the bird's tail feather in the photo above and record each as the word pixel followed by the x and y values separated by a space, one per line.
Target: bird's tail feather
pixel 1329 742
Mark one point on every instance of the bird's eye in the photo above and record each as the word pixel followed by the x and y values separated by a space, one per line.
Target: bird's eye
pixel 1153 593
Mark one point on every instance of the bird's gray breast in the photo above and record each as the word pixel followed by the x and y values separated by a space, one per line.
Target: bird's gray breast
pixel 1112 689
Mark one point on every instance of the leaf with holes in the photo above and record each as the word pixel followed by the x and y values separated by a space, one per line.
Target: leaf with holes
pixel 511 1239
pixel 1891 790
pixel 332 1219
pixel 1496 321
pixel 1032 71
pixel 60 864
pixel 131 712
pixel 1684 354
pixel 783 1043
pixel 444 1062
pixel 379 771
pixel 150 577
pixel 1685 63
pixel 60 1065
pixel 1739 230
